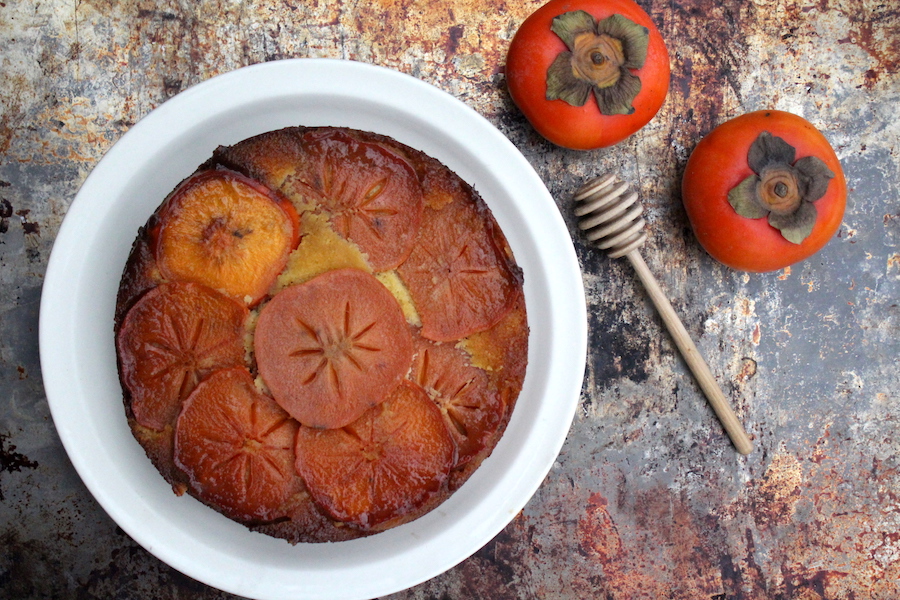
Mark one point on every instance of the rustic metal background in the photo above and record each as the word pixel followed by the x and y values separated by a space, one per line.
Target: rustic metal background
pixel 647 498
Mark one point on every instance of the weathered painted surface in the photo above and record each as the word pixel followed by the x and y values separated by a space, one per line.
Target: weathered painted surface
pixel 647 499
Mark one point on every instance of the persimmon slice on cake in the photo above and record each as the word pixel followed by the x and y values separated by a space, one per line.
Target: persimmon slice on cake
pixel 332 347
pixel 471 409
pixel 226 231
pixel 175 335
pixel 457 275
pixel 237 447
pixel 391 460
pixel 372 194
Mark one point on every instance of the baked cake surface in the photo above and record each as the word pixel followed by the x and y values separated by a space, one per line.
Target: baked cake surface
pixel 320 334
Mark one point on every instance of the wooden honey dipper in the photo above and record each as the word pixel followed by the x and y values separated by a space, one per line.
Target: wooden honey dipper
pixel 612 220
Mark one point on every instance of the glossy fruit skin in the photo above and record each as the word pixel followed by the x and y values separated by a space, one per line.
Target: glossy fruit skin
pixel 719 163
pixel 532 51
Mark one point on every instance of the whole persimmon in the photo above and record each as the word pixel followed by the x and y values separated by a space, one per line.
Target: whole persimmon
pixel 588 73
pixel 763 191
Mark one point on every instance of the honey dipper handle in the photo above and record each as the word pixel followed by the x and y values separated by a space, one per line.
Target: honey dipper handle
pixel 692 356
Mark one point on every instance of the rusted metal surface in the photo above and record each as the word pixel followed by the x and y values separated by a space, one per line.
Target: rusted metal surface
pixel 647 499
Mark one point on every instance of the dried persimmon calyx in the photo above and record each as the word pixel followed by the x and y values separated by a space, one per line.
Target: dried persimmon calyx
pixel 780 188
pixel 599 59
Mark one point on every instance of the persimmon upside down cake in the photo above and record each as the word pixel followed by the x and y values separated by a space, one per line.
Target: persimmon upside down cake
pixel 320 334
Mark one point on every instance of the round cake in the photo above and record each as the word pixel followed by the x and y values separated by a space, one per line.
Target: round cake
pixel 320 334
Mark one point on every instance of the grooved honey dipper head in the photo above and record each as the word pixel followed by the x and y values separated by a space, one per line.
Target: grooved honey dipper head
pixel 610 215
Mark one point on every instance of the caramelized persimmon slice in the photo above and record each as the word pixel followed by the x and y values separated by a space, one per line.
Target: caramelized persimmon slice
pixel 226 231
pixel 237 447
pixel 332 347
pixel 384 465
pixel 458 277
pixel 472 411
pixel 372 194
pixel 172 337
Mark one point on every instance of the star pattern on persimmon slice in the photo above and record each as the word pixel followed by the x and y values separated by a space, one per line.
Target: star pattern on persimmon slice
pixel 237 447
pixel 385 464
pixel 335 350
pixel 332 347
pixel 472 411
pixel 456 274
pixel 172 337
pixel 372 194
